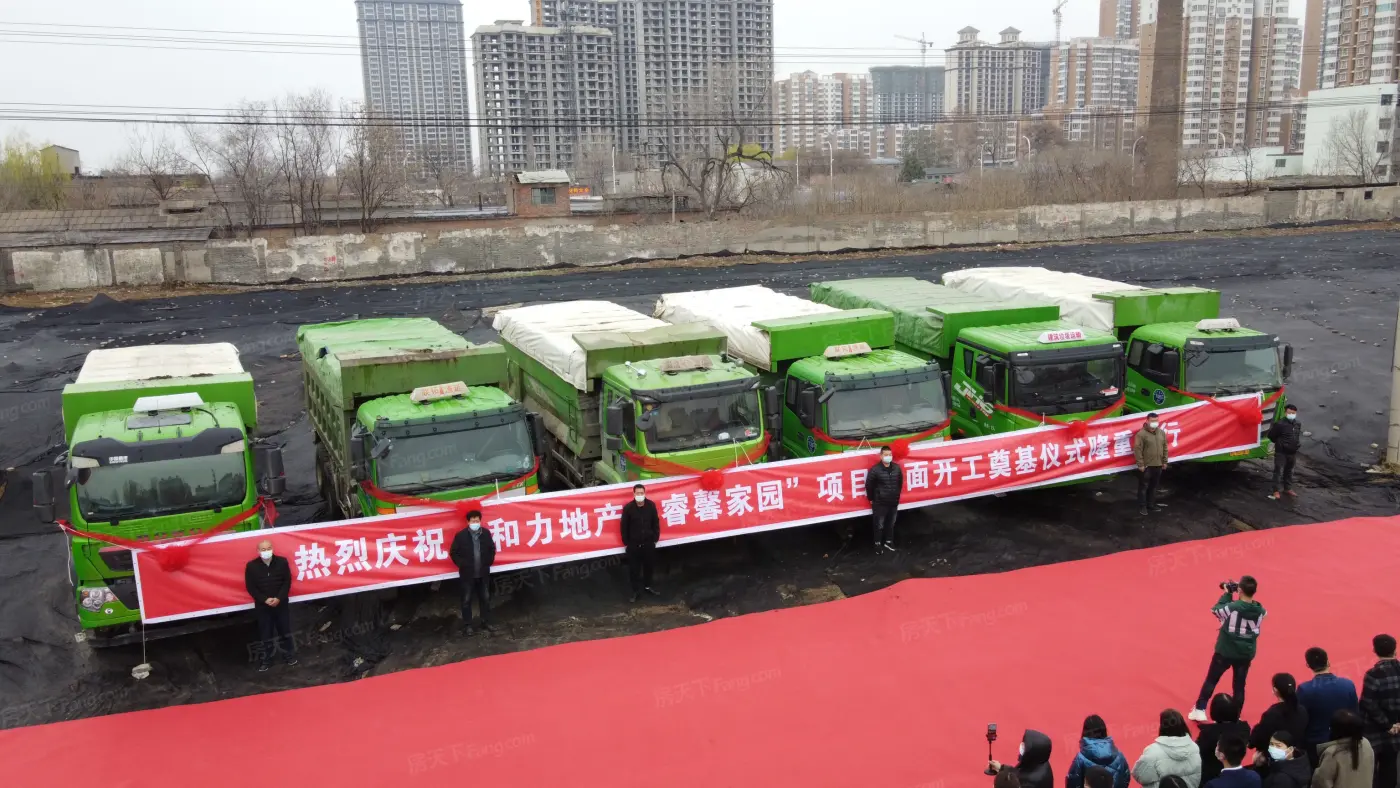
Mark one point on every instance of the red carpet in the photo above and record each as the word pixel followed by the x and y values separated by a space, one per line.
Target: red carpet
pixel 889 689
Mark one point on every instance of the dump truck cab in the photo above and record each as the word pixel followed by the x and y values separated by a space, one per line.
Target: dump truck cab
pixel 159 447
pixel 842 382
pixel 1179 349
pixel 609 382
pixel 414 410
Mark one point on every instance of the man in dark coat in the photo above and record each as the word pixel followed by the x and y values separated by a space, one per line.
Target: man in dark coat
pixel 1285 764
pixel 1150 454
pixel 883 484
pixel 473 551
pixel 1287 437
pixel 1033 764
pixel 268 579
pixel 1380 709
pixel 641 529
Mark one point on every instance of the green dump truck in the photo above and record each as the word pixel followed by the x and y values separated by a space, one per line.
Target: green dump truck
pixel 159 447
pixel 415 410
pixel 1013 366
pixel 1179 348
pixel 609 382
pixel 841 377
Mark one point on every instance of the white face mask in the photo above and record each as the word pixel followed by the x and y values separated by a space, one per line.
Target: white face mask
pixel 639 497
pixel 474 526
pixel 1022 752
pixel 265 555
pixel 1152 425
pixel 1278 753
pixel 1290 416
pixel 887 459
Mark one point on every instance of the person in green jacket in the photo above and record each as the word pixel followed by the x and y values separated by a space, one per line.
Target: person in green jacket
pixel 1234 646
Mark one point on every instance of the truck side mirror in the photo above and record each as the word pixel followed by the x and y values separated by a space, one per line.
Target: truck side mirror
pixel 1287 361
pixel 807 407
pixel 947 378
pixel 272 476
pixel 536 425
pixel 773 408
pixel 613 427
pixel 358 459
pixel 44 495
pixel 1171 364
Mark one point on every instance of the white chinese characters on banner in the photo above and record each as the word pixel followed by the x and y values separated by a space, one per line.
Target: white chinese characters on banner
pixel 427 545
pixel 311 561
pixel 351 555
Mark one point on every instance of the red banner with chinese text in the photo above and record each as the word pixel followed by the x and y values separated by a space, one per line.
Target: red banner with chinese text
pixel 349 556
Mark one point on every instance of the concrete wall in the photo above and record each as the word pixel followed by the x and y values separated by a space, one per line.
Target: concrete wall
pixel 594 241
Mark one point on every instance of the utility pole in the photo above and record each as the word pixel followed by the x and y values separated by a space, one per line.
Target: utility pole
pixel 1392 443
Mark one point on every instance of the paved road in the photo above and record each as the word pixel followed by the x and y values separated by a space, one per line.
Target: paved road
pixel 1332 294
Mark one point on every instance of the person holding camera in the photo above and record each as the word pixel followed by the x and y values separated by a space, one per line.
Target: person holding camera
pixel 1032 763
pixel 1150 452
pixel 1234 646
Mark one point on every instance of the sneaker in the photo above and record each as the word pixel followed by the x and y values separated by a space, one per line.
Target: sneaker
pixel 1197 715
pixel 1274 496
pixel 1143 511
pixel 877 548
pixel 652 591
pixel 1290 493
pixel 890 546
pixel 262 667
pixel 292 662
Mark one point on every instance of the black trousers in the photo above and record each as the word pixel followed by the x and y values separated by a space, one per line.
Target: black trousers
pixel 883 515
pixel 1283 470
pixel 1148 479
pixel 480 590
pixel 275 631
pixel 641 561
pixel 1386 769
pixel 1218 665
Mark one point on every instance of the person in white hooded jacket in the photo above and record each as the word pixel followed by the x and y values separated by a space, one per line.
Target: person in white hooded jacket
pixel 1172 753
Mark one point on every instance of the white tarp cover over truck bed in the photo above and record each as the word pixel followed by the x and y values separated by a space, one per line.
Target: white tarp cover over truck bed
pixel 156 362
pixel 545 332
pixel 733 311
pixel 1073 292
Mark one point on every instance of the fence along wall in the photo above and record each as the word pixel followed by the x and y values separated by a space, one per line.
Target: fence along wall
pixel 598 241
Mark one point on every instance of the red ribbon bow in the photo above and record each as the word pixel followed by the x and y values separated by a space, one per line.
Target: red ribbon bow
pixel 1078 428
pixel 899 447
pixel 461 506
pixel 711 479
pixel 174 555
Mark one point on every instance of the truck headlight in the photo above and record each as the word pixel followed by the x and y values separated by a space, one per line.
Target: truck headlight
pixel 95 598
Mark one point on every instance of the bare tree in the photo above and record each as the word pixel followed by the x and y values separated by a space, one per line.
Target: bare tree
pixel 446 175
pixel 373 169
pixel 1245 169
pixel 152 157
pixel 1351 146
pixel 1196 168
pixel 307 147
pixel 720 160
pixel 238 158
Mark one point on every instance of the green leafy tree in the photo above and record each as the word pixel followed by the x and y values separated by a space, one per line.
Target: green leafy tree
pixel 29 180
pixel 912 169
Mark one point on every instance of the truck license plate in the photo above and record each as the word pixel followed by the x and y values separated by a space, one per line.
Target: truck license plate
pixel 1239 453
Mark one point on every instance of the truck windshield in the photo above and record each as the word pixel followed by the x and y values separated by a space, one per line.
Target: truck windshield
pixel 150 489
pixel 458 459
pixel 704 421
pixel 1067 383
pixel 1232 371
pixel 889 410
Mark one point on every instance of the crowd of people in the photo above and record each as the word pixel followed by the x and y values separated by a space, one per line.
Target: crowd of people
pixel 1318 734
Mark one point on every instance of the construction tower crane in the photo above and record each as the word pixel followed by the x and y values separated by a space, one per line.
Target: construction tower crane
pixel 1059 18
pixel 924 46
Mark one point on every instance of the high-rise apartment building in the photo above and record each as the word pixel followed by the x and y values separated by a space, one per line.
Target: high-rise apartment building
pixel 1357 43
pixel 546 96
pixel 1093 90
pixel 1239 66
pixel 1118 18
pixel 413 55
pixel 808 107
pixel 908 94
pixel 682 68
pixel 1011 77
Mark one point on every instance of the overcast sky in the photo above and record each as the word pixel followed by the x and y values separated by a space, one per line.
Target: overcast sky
pixel 823 35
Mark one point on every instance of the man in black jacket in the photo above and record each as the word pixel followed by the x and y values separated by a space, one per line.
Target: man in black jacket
pixel 268 579
pixel 883 484
pixel 641 529
pixel 1287 437
pixel 473 551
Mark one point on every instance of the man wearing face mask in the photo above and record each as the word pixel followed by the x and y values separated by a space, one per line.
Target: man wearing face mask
pixel 641 529
pixel 1287 437
pixel 268 579
pixel 1032 761
pixel 1286 765
pixel 474 551
pixel 883 485
pixel 1150 451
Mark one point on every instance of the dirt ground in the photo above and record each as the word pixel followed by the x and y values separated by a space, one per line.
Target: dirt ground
pixel 1331 294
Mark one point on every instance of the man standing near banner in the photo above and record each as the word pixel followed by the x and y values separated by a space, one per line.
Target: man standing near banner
pixel 1150 451
pixel 883 485
pixel 268 579
pixel 641 529
pixel 474 551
